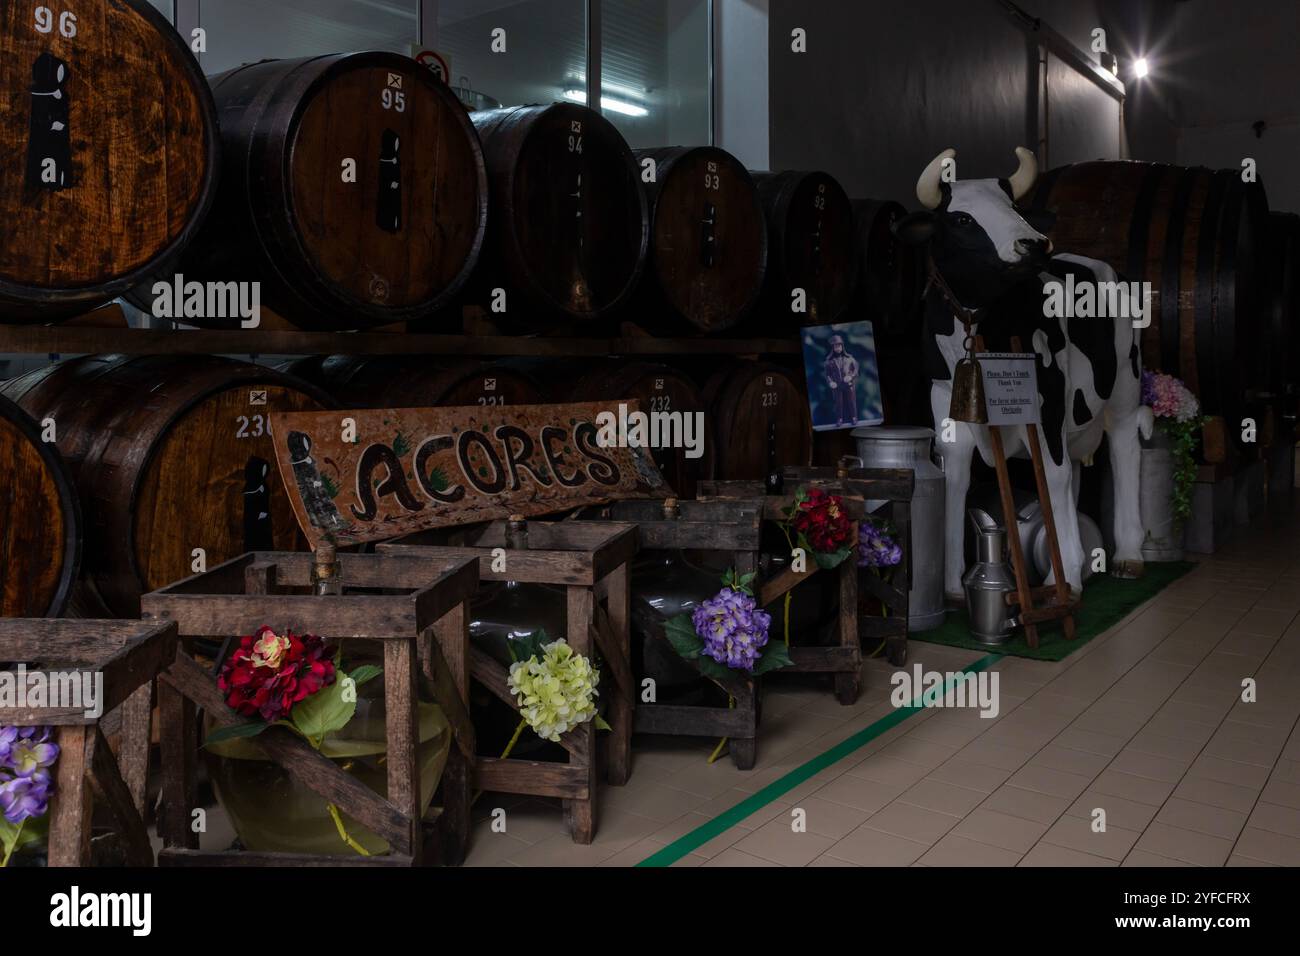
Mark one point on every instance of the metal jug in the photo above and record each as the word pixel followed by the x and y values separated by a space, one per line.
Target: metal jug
pixel 988 582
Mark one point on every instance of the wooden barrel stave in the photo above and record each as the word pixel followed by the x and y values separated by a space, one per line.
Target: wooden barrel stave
pixel 334 253
pixel 569 225
pixel 810 247
pixel 40 520
pixel 1280 365
pixel 129 428
pixel 751 403
pixel 656 388
pixel 113 196
pixel 708 239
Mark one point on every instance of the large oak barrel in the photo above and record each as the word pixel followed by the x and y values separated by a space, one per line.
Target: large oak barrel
pixel 417 382
pixel 1196 235
pixel 810 247
pixel 568 229
pixel 169 454
pixel 40 521
pixel 891 274
pixel 1281 351
pixel 353 189
pixel 657 388
pixel 760 415
pixel 708 240
pixel 109 136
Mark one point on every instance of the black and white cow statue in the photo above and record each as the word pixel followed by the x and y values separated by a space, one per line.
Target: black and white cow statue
pixel 996 268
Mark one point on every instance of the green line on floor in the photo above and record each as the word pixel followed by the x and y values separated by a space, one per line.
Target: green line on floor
pixel 729 818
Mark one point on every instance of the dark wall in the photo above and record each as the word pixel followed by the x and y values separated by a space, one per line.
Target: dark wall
pixel 884 87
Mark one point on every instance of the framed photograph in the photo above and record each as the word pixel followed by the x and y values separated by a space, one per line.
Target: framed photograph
pixel 843 378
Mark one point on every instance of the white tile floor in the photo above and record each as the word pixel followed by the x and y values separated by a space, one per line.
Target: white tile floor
pixel 1146 722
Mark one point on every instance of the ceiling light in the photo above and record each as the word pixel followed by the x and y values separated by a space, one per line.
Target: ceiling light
pixel 1141 68
pixel 608 103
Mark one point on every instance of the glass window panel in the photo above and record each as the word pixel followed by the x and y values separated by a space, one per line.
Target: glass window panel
pixel 545 55
pixel 164 7
pixel 655 70
pixel 245 31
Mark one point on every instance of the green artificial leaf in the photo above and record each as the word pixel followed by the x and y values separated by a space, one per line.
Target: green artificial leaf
pixel 831 559
pixel 323 712
pixel 364 673
pixel 532 645
pixel 602 723
pixel 711 668
pixel 774 656
pixel 681 635
pixel 235 732
pixel 746 582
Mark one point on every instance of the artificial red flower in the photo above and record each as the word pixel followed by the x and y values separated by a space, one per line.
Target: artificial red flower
pixel 821 519
pixel 270 672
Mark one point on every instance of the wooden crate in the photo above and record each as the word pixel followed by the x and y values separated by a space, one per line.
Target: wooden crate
pixel 590 560
pixel 727 526
pixel 129 655
pixel 857 486
pixel 416 606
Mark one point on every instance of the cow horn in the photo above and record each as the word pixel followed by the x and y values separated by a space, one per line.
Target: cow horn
pixel 927 187
pixel 1026 175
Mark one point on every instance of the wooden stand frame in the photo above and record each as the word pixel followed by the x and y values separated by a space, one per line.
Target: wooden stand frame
pixel 590 559
pixel 129 655
pixel 417 606
pixel 843 660
pixel 1058 604
pixel 722 526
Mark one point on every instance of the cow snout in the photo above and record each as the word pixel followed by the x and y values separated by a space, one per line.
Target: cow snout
pixel 1035 249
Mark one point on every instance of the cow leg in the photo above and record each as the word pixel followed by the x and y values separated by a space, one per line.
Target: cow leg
pixel 1060 486
pixel 1125 466
pixel 956 456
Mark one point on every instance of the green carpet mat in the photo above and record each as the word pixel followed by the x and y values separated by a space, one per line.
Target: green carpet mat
pixel 1106 600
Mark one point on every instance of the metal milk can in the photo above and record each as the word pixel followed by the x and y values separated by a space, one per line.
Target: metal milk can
pixel 988 582
pixel 911 448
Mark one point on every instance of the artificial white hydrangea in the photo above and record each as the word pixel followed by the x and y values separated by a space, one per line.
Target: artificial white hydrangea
pixel 556 693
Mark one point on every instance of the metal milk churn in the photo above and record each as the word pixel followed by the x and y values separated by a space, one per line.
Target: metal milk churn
pixel 911 448
pixel 988 582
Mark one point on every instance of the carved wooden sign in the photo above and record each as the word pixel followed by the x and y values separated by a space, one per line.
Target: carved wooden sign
pixel 373 474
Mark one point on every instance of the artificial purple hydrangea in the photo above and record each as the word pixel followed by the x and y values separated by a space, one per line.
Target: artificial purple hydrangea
pixel 26 756
pixel 733 629
pixel 877 548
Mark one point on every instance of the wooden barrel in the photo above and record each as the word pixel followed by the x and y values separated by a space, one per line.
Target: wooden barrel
pixel 353 190
pixel 40 521
pixel 417 382
pixel 708 241
pixel 1196 235
pixel 809 247
pixel 662 389
pixel 168 454
pixel 760 415
pixel 1281 353
pixel 109 137
pixel 891 274
pixel 568 228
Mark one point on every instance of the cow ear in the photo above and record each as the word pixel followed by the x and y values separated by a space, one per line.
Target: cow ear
pixel 914 228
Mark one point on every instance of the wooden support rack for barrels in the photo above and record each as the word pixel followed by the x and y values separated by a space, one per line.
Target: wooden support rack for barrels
pixel 731 527
pixel 568 228
pixel 708 239
pixel 389 238
pixel 843 661
pixel 169 455
pixel 590 560
pixel 416 607
pixel 128 655
pixel 411 381
pixel 109 134
pixel 40 520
